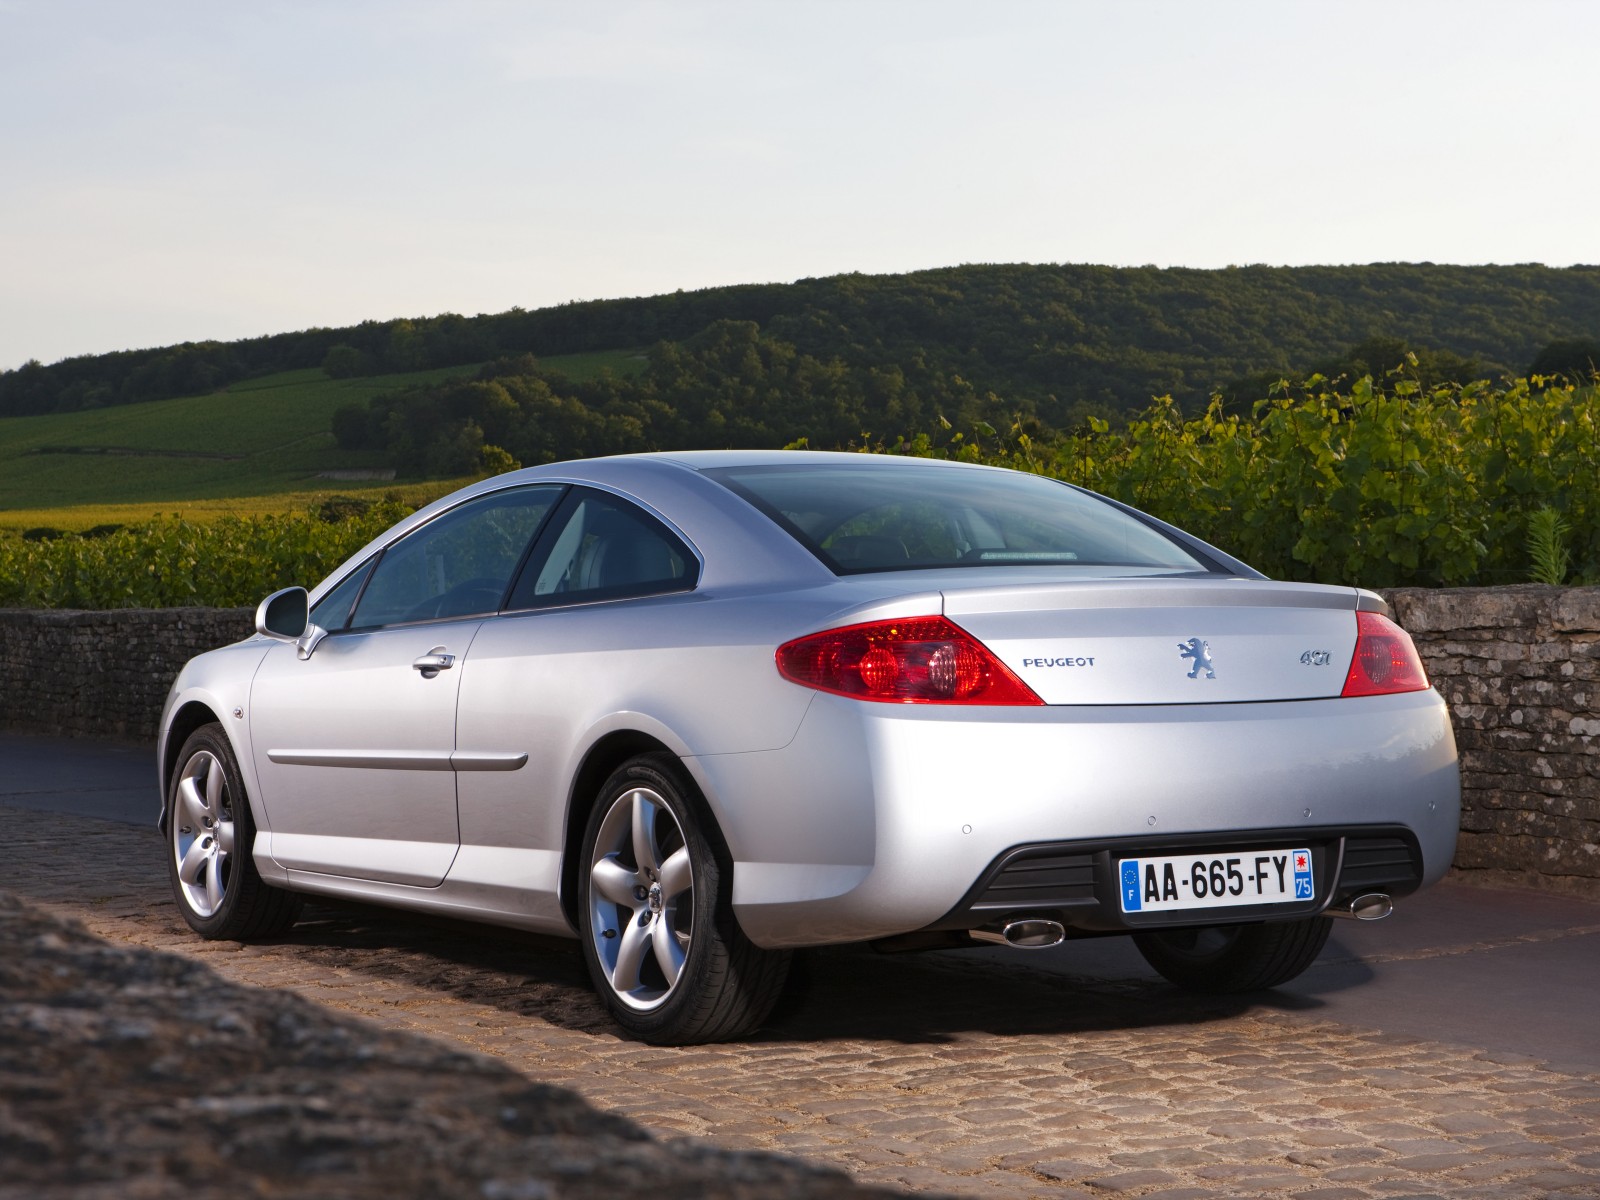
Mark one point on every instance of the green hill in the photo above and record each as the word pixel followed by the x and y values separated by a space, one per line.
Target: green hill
pixel 1054 336
pixel 255 437
pixel 850 359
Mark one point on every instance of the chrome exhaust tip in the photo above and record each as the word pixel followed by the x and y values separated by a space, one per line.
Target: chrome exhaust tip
pixel 1373 906
pixel 1030 934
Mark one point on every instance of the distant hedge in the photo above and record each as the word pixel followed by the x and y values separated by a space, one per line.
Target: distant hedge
pixel 1409 486
pixel 170 563
pixel 1381 485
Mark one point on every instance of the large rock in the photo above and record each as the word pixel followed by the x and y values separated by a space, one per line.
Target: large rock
pixel 128 1073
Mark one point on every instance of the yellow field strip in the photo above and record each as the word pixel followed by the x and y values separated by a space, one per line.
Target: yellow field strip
pixel 77 518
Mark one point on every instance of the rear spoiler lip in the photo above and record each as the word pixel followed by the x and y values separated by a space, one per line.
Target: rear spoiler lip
pixel 1370 601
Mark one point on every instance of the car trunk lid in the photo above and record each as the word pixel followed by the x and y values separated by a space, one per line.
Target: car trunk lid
pixel 1165 641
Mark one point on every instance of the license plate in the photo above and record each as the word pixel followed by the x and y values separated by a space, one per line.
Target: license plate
pixel 1182 881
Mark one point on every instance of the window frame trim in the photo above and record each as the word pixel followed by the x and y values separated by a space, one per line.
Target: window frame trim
pixel 368 565
pixel 376 560
pixel 544 543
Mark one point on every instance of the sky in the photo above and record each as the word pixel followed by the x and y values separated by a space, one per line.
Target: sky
pixel 187 171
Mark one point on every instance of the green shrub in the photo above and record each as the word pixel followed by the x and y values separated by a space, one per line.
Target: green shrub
pixel 1381 488
pixel 1408 486
pixel 168 562
pixel 1549 557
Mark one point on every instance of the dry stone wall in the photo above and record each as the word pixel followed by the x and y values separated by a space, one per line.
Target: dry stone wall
pixel 102 674
pixel 1520 667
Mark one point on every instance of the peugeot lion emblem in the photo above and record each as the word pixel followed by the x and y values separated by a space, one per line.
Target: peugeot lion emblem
pixel 1200 651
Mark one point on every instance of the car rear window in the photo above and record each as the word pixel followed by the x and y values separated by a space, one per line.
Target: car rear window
pixel 903 515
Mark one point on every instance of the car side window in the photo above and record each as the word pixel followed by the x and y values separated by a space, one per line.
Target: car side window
pixel 459 564
pixel 332 612
pixel 600 547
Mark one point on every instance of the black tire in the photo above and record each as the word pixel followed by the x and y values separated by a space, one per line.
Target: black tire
pixel 1235 958
pixel 633 911
pixel 213 829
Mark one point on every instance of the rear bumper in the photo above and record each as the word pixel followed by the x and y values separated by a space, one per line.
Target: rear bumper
pixel 1076 883
pixel 879 819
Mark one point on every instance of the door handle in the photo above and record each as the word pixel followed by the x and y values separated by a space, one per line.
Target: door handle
pixel 434 661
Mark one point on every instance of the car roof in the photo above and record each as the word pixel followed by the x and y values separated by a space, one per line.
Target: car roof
pixel 703 459
pixel 670 487
pixel 674 487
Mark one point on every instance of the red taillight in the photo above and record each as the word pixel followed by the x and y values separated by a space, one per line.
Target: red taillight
pixel 924 660
pixel 1385 661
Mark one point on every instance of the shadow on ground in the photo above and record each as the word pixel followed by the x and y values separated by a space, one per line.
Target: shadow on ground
pixel 842 993
pixel 837 994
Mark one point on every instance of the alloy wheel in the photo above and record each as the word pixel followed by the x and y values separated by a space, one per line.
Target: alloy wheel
pixel 203 833
pixel 641 898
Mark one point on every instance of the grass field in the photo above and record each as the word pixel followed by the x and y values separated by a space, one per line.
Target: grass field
pixel 583 367
pixel 258 446
pixel 79 517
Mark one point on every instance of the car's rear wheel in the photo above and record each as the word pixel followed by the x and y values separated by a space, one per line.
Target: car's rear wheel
pixel 210 836
pixel 656 914
pixel 1234 958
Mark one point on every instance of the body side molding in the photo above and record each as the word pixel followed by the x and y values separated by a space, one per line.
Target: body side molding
pixel 402 760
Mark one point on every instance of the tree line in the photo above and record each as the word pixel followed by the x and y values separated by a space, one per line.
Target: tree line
pixel 731 385
pixel 1064 340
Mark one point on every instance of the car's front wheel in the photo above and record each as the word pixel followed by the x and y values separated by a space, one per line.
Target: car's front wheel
pixel 210 836
pixel 656 914
pixel 1234 958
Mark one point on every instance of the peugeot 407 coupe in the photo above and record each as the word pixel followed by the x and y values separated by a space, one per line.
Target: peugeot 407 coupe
pixel 699 710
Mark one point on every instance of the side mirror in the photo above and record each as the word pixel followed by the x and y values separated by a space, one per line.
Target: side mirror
pixel 284 615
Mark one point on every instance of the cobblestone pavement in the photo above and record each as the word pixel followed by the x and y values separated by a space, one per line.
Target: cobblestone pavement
pixel 929 1072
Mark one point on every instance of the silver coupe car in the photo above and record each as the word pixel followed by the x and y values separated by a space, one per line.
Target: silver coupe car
pixel 702 709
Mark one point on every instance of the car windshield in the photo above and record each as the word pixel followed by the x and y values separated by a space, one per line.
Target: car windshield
pixel 901 515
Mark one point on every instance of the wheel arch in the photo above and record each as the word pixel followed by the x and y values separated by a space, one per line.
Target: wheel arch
pixel 207 687
pixel 185 719
pixel 608 753
pixel 605 756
